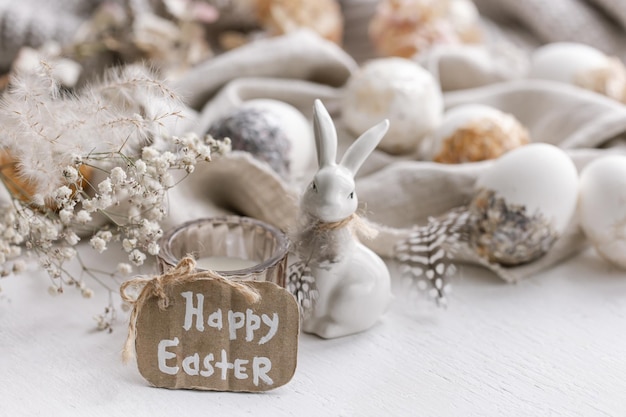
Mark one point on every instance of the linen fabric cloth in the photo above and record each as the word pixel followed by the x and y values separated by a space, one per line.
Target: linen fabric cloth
pixel 398 192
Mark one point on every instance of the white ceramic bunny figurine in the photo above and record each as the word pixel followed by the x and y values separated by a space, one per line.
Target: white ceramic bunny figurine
pixel 353 282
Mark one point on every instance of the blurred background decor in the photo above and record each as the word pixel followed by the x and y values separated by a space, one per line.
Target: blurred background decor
pixel 463 83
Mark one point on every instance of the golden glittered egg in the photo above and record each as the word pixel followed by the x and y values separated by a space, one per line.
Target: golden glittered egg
pixel 472 133
pixel 285 16
pixel 407 27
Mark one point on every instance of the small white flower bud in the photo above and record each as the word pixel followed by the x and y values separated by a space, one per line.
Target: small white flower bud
pixel 105 186
pixel 153 248
pixel 137 257
pixel 83 217
pixel 98 244
pixel 118 175
pixel 124 268
pixel 70 174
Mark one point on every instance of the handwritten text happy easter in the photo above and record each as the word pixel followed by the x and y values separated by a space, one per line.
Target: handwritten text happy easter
pixel 239 327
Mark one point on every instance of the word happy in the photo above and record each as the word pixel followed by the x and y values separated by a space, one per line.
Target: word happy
pixel 244 326
pixel 234 320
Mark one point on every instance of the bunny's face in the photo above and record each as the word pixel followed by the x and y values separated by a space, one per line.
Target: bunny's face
pixel 330 197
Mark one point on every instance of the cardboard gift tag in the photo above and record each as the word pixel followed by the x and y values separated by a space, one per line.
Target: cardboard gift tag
pixel 196 332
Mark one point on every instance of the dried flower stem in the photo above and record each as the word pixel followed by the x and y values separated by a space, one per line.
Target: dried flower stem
pixel 101 152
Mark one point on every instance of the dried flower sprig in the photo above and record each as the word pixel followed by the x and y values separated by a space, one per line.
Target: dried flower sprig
pixel 96 164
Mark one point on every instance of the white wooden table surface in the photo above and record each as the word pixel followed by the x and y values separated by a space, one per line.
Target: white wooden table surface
pixel 554 345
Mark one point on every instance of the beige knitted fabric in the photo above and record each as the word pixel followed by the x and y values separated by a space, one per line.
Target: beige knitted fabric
pixel 599 23
pixel 397 192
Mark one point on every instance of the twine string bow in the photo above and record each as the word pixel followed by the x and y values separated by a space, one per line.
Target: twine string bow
pixel 184 272
pixel 356 223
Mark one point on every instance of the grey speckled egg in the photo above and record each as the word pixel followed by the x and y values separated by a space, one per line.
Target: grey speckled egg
pixel 259 132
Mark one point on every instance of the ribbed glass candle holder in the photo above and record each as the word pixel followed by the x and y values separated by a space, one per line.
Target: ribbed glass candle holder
pixel 244 248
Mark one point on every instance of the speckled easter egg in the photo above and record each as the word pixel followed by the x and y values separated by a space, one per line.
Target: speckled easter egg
pixel 297 129
pixel 396 89
pixel 474 132
pixel 409 27
pixel 283 16
pixel 523 203
pixel 259 132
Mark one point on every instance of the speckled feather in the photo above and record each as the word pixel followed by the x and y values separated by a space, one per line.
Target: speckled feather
pixel 426 255
pixel 301 283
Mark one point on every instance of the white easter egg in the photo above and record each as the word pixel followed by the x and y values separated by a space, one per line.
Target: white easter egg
pixel 602 204
pixel 523 203
pixel 465 20
pixel 396 89
pixel 540 177
pixel 474 132
pixel 565 61
pixel 297 129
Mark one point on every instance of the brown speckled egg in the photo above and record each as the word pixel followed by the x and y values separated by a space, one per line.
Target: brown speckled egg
pixel 472 133
pixel 284 16
pixel 407 27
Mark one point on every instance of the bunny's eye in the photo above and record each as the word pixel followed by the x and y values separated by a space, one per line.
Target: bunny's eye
pixel 314 186
pixel 351 195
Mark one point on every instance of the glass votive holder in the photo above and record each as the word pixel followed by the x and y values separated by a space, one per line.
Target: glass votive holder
pixel 236 247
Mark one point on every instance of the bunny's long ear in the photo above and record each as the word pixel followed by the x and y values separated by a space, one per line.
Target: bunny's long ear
pixel 325 135
pixel 358 152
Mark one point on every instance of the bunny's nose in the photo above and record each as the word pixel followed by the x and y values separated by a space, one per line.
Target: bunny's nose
pixel 333 211
pixel 330 213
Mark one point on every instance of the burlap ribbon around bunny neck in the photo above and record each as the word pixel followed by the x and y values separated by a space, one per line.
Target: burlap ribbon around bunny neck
pixel 156 286
pixel 356 223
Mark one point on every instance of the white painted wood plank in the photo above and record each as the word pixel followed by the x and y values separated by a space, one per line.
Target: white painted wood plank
pixel 551 345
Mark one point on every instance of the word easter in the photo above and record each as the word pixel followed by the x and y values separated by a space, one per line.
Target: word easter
pixel 191 365
pixel 244 325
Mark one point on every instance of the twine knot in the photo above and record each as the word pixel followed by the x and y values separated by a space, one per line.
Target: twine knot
pixel 157 286
pixel 356 223
pixel 321 225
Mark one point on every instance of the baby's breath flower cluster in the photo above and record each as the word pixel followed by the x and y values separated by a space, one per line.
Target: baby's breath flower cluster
pixel 105 163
